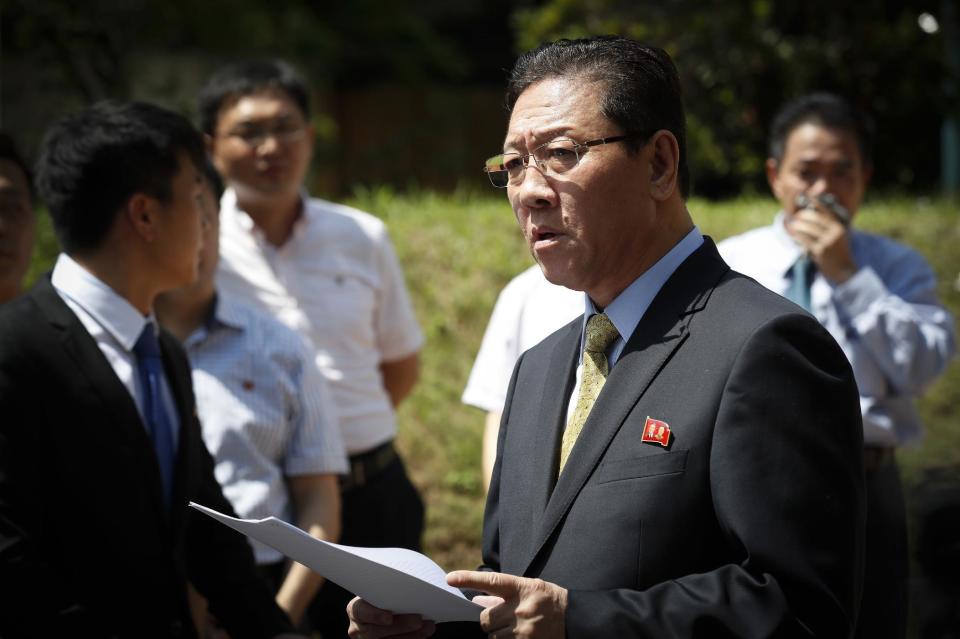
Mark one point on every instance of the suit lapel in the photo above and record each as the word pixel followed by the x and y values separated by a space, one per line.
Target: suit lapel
pixel 662 330
pixel 119 410
pixel 544 454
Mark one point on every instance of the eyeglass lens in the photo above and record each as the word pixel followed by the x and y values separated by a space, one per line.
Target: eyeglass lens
pixel 554 158
pixel 283 131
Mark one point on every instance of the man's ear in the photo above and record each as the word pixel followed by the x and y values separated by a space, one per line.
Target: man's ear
pixel 208 143
pixel 141 212
pixel 772 168
pixel 664 163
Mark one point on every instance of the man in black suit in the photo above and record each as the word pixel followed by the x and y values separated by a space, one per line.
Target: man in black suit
pixel 684 460
pixel 100 449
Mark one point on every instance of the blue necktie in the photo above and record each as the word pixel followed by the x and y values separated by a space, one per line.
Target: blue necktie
pixel 801 277
pixel 159 424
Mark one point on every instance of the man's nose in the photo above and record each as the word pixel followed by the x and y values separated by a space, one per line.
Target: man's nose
pixel 270 143
pixel 820 185
pixel 536 190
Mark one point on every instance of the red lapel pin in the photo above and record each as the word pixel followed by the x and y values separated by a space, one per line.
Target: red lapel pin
pixel 656 431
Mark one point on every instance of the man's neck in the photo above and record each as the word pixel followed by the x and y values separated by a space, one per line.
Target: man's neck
pixel 128 282
pixel 275 216
pixel 183 311
pixel 672 229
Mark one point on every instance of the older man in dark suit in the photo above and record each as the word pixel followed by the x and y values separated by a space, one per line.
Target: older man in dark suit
pixel 684 460
pixel 100 449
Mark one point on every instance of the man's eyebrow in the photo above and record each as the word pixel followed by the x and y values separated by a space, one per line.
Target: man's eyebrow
pixel 542 136
pixel 251 120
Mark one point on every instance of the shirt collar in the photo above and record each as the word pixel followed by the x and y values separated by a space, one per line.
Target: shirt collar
pixel 110 310
pixel 788 250
pixel 224 315
pixel 628 308
pixel 228 204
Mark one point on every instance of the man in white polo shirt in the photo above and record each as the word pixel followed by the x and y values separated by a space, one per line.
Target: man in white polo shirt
pixel 527 310
pixel 328 271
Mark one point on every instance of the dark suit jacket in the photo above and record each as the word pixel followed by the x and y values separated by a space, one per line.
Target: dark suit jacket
pixel 86 546
pixel 749 525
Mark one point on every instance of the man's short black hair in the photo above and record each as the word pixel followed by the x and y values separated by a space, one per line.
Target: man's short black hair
pixel 213 177
pixel 641 86
pixel 93 161
pixel 250 77
pixel 10 152
pixel 823 109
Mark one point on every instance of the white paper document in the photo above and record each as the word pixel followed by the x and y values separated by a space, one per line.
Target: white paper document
pixel 395 579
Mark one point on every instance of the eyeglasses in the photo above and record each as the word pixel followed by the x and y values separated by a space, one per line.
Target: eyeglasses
pixel 283 131
pixel 555 157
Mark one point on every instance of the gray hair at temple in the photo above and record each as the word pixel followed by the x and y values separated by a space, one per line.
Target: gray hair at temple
pixel 642 87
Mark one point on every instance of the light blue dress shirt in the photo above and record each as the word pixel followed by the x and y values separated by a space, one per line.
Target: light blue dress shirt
pixel 265 410
pixel 114 324
pixel 886 318
pixel 628 308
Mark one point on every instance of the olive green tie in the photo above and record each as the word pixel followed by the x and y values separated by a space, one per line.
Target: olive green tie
pixel 601 333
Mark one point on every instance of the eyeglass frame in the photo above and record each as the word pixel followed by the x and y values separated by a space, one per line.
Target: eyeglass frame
pixel 260 135
pixel 525 158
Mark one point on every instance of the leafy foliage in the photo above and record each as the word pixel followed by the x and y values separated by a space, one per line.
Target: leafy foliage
pixel 740 59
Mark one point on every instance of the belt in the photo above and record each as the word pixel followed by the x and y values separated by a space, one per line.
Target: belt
pixel 876 456
pixel 364 467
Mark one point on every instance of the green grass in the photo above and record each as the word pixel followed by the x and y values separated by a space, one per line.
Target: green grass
pixel 459 250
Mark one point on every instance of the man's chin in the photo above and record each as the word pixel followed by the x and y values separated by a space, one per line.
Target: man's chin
pixel 559 276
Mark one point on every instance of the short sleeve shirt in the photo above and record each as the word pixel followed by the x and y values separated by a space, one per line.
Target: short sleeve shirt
pixel 336 281
pixel 528 309
pixel 265 411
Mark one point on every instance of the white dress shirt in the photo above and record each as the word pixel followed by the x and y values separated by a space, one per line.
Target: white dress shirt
pixel 336 281
pixel 265 410
pixel 528 309
pixel 886 318
pixel 115 326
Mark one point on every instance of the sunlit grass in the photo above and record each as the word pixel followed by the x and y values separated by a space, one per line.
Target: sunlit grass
pixel 459 250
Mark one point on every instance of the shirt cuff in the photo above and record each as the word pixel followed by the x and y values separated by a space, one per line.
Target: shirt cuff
pixel 395 350
pixel 483 399
pixel 860 291
pixel 319 464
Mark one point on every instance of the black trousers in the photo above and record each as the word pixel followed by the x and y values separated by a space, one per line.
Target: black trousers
pixel 384 512
pixel 883 609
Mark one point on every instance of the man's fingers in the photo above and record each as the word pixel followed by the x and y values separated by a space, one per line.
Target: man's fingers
pixel 411 627
pixel 494 583
pixel 401 627
pixel 363 612
pixel 488 601
pixel 499 617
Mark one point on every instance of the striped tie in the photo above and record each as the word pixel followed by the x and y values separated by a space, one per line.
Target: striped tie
pixel 601 333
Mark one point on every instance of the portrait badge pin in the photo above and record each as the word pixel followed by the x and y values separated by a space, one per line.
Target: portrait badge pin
pixel 656 431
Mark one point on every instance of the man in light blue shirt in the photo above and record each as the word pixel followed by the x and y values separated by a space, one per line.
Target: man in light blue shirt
pixel 265 410
pixel 876 297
